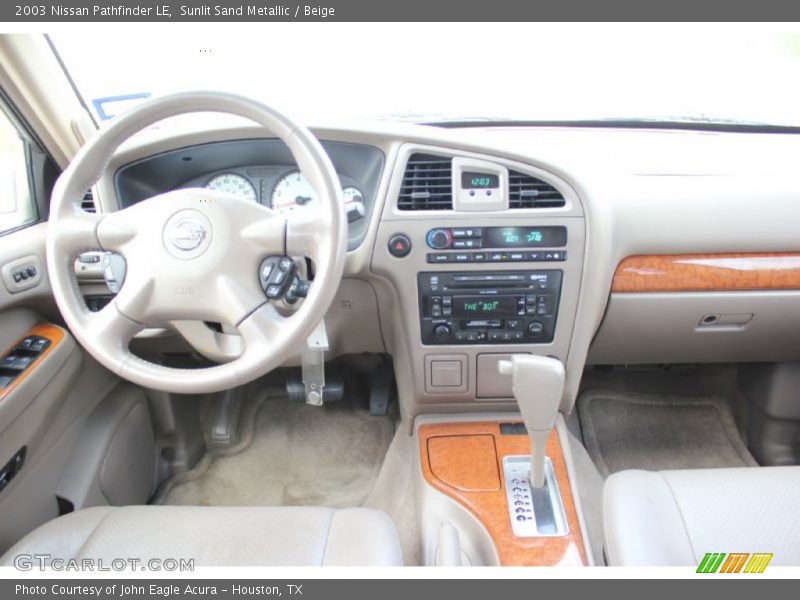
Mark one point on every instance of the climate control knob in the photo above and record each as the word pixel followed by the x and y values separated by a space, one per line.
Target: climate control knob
pixel 440 239
pixel 441 333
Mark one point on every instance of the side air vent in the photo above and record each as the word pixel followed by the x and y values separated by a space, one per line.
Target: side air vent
pixel 525 191
pixel 87 204
pixel 427 184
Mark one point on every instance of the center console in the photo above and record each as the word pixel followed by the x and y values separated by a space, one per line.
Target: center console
pixel 482 258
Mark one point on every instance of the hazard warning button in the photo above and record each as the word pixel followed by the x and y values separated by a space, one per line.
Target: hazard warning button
pixel 399 245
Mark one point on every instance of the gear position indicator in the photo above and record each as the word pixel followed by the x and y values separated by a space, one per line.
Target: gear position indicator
pixel 534 512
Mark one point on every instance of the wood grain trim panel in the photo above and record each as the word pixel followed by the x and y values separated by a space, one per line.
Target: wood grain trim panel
pixel 45 330
pixel 465 462
pixel 708 272
pixel 490 508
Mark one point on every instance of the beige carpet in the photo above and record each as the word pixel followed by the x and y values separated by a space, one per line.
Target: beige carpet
pixel 290 454
pixel 634 430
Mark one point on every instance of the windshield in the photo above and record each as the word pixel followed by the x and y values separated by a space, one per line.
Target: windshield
pixel 323 72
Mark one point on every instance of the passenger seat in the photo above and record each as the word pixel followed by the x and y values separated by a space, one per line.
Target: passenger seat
pixel 671 518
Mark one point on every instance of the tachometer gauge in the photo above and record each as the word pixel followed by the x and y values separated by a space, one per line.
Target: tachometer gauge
pixel 293 191
pixel 233 184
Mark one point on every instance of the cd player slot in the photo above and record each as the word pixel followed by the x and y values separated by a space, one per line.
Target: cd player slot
pixel 468 280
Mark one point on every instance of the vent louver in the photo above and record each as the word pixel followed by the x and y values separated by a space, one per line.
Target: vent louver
pixel 526 191
pixel 427 183
pixel 87 204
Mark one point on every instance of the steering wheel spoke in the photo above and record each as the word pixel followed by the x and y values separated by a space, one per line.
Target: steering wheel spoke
pixel 262 329
pixel 116 231
pixel 135 298
pixel 78 233
pixel 267 233
pixel 305 234
pixel 110 329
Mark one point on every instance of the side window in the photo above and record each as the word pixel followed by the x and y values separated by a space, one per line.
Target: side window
pixel 17 205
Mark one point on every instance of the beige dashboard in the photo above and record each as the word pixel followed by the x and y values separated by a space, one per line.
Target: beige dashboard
pixel 628 193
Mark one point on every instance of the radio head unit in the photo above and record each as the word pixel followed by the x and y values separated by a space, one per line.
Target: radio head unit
pixel 496 307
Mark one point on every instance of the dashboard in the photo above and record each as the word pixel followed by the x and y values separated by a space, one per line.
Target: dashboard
pixel 567 209
pixel 262 171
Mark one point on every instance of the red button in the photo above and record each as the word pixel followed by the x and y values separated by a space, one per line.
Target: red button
pixel 399 245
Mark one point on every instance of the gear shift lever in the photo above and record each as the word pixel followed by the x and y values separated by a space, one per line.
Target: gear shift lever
pixel 537 382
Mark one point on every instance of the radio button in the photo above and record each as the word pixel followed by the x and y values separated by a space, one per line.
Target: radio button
pixel 500 336
pixel 535 329
pixel 442 333
pixel 447 301
pixel 517 256
pixel 498 257
pixel 544 304
pixel 535 256
pixel 512 324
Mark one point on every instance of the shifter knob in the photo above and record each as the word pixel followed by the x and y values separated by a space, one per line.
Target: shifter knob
pixel 537 383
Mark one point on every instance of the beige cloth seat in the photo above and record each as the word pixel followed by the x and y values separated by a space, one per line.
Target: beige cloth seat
pixel 219 536
pixel 675 517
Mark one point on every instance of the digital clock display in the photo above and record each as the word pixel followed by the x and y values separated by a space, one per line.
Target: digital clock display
pixel 525 237
pixel 488 306
pixel 479 181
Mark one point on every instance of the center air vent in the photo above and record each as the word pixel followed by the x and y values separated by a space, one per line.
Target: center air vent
pixel 525 191
pixel 87 204
pixel 427 184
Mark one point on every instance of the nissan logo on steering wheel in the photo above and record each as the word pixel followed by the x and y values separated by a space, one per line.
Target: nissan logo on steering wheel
pixel 187 234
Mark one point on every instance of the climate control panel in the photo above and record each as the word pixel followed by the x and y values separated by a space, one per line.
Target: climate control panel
pixel 492 307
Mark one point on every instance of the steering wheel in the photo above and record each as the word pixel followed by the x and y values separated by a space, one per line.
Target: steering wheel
pixel 196 254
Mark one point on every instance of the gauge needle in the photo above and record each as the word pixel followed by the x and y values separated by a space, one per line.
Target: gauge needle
pixel 301 200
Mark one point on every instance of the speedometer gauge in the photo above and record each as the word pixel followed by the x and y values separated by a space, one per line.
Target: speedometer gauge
pixel 233 184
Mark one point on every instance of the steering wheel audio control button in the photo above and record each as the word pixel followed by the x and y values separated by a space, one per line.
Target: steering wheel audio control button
pixel 399 245
pixel 275 275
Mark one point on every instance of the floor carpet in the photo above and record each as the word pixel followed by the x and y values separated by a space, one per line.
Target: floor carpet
pixel 635 430
pixel 290 454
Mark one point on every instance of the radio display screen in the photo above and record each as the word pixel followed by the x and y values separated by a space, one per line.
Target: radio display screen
pixel 525 237
pixel 488 306
pixel 479 181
